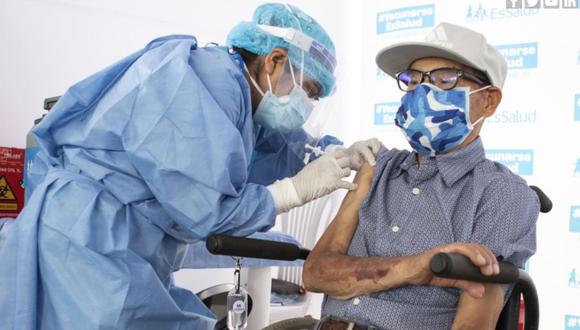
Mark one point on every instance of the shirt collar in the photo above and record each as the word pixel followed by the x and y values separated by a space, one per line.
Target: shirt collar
pixel 454 165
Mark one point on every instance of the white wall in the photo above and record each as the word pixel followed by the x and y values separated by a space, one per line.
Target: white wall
pixel 48 45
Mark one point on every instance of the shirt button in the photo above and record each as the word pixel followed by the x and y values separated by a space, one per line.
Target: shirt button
pixel 395 229
pixel 356 301
pixel 415 191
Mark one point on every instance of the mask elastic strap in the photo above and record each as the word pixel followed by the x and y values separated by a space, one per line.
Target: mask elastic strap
pixel 477 121
pixel 475 91
pixel 302 70
pixel 292 73
pixel 255 83
pixel 269 84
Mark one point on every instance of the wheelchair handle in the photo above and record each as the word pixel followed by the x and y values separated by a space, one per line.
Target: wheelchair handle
pixel 254 248
pixel 545 201
pixel 458 266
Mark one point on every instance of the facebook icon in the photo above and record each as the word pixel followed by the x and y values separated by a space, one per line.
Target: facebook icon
pixel 513 4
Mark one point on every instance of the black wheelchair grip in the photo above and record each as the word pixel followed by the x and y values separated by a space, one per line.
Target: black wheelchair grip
pixel 545 201
pixel 254 248
pixel 458 266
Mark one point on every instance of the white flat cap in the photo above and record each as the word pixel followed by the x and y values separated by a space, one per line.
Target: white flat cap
pixel 451 42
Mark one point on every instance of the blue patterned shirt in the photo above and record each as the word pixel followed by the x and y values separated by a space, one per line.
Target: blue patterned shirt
pixel 456 197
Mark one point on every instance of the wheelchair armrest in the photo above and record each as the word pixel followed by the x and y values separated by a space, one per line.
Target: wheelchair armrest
pixel 254 248
pixel 457 266
pixel 545 201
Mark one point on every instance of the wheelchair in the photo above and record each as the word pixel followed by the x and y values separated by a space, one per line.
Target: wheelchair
pixel 454 266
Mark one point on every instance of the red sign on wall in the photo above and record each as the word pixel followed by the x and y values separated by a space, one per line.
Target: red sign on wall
pixel 11 176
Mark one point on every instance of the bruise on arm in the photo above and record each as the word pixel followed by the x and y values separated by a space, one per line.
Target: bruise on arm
pixel 330 270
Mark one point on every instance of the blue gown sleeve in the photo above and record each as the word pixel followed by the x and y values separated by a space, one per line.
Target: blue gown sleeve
pixel 281 155
pixel 189 140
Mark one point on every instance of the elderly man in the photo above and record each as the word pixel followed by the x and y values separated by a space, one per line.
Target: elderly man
pixel 445 196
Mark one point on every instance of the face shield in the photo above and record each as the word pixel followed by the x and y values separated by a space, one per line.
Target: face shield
pixel 303 120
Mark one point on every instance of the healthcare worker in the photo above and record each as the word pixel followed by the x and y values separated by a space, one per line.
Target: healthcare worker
pixel 167 146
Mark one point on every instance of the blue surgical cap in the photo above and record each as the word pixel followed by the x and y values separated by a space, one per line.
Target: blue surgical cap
pixel 248 36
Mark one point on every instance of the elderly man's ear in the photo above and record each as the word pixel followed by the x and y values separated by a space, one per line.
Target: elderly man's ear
pixel 491 101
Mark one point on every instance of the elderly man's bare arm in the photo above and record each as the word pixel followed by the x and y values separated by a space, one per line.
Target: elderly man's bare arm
pixel 331 270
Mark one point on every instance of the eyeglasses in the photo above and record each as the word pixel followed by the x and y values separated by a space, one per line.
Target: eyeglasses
pixel 444 78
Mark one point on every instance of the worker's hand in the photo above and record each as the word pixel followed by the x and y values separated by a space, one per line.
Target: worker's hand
pixel 480 255
pixel 323 176
pixel 317 179
pixel 362 151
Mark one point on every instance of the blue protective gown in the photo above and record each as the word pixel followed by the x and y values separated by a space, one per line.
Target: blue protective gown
pixel 137 161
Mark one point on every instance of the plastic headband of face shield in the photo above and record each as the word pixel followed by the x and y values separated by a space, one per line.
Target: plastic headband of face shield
pixel 305 43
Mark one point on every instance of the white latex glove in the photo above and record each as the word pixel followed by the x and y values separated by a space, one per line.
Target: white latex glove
pixel 317 179
pixel 362 151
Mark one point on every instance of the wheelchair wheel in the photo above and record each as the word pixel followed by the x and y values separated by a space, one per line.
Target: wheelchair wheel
pixel 299 323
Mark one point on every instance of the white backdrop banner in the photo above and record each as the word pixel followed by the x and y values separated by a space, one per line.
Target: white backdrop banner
pixel 535 130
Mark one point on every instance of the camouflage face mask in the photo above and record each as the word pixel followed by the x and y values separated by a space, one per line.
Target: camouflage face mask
pixel 435 121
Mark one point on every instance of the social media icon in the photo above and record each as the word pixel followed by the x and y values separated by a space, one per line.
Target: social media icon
pixel 551 3
pixel 513 4
pixel 532 3
pixel 569 3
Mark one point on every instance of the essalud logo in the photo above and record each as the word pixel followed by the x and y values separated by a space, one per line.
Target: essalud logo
pixel 573 279
pixel 477 12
